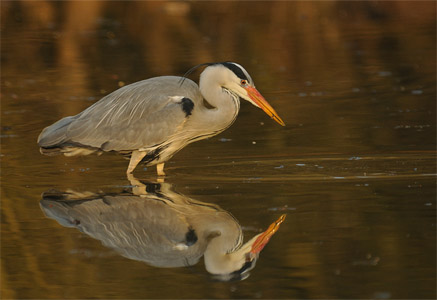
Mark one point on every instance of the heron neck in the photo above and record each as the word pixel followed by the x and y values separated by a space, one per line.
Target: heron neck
pixel 225 104
pixel 223 253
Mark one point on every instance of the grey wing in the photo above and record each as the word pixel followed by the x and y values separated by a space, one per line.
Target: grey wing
pixel 139 228
pixel 136 116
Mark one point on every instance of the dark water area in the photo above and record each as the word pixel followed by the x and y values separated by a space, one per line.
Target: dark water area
pixel 354 169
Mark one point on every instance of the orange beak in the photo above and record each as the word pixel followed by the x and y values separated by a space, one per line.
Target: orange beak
pixel 263 104
pixel 264 238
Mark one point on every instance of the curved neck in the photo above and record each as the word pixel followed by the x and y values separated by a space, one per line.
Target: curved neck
pixel 226 105
pixel 223 254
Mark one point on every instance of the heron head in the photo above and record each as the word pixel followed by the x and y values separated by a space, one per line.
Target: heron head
pixel 235 79
pixel 236 265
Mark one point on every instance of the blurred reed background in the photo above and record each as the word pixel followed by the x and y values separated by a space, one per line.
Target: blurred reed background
pixel 292 48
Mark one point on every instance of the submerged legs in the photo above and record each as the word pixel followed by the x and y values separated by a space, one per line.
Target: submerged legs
pixel 135 158
pixel 160 169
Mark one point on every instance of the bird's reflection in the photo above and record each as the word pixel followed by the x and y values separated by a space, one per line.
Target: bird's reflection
pixel 154 224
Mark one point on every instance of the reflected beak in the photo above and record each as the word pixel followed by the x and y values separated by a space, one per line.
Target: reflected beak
pixel 264 238
pixel 262 103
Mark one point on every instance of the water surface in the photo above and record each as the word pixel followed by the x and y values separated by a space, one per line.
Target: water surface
pixel 354 169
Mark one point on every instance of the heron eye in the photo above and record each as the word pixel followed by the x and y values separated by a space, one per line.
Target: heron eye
pixel 243 82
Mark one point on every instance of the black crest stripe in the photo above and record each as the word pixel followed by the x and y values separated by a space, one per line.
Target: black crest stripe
pixel 236 69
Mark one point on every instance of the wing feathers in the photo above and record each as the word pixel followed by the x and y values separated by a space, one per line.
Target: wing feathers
pixel 136 116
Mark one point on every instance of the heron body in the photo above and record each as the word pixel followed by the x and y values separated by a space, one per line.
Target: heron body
pixel 151 120
pixel 161 227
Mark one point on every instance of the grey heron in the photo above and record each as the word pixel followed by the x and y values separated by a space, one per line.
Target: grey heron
pixel 150 120
pixel 161 228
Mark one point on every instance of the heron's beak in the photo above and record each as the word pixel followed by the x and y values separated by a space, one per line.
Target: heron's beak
pixel 264 237
pixel 262 103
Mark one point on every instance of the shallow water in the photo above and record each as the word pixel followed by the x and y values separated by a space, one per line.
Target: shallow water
pixel 354 169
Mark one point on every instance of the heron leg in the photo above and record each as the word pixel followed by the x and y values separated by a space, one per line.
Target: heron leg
pixel 160 169
pixel 135 158
pixel 138 188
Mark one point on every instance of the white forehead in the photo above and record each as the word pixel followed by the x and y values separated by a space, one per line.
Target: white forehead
pixel 238 70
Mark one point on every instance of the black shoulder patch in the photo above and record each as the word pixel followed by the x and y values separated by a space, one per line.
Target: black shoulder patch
pixel 236 69
pixel 187 106
pixel 190 237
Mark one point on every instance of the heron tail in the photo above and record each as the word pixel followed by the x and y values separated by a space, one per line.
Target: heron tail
pixel 55 134
pixel 54 140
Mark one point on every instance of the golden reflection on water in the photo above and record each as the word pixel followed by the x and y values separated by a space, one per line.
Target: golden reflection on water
pixel 153 224
pixel 354 168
